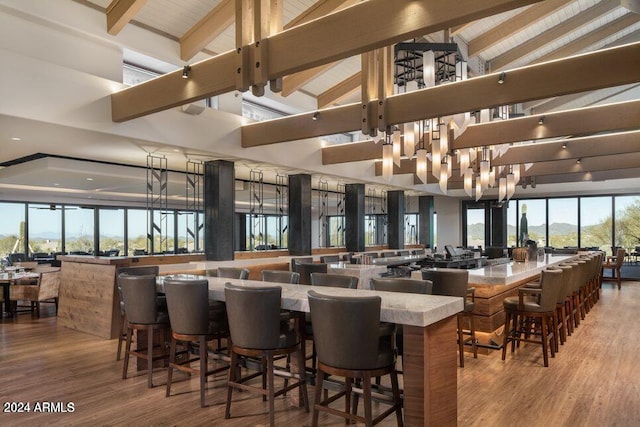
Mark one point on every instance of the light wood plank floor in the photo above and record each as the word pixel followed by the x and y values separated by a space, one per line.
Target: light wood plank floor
pixel 593 381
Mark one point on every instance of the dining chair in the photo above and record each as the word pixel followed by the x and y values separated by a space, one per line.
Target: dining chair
pixel 44 290
pixel 614 263
pixel 335 280
pixel 233 273
pixel 280 276
pixel 305 270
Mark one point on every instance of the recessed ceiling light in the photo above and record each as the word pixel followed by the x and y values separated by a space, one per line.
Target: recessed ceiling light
pixel 89 179
pixel 55 184
pixel 15 138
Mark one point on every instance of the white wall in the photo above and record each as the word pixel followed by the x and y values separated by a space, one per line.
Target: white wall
pixel 449 221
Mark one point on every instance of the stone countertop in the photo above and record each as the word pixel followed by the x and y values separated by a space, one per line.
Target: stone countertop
pixel 407 309
pixel 512 272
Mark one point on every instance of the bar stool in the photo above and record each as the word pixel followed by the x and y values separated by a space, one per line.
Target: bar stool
pixel 145 312
pixel 351 349
pixel 257 332
pixel 233 273
pixel 305 270
pixel 131 271
pixel 455 282
pixel 533 315
pixel 193 321
pixel 280 276
pixel 334 280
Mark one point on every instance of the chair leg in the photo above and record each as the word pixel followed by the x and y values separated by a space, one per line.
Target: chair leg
pixel 366 395
pixel 270 385
pixel 317 397
pixel 231 378
pixel 203 369
pixel 396 397
pixel 172 360
pixel 544 341
pixel 472 330
pixel 149 358
pixel 507 333
pixel 460 341
pixel 127 350
pixel 347 398
pixel 122 327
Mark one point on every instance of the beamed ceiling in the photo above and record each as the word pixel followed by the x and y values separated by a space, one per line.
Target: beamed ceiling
pixel 312 49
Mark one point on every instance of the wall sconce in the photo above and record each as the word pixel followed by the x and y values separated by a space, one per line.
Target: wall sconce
pixel 186 71
pixel 541 120
pixel 503 75
pixel 564 145
pixel 315 116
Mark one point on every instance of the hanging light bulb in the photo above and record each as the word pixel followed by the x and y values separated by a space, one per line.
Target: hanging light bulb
pixel 463 159
pixel 468 182
pixel 444 139
pixel 387 161
pixel 421 164
pixel 511 186
pixel 478 188
pixel 409 139
pixel 484 170
pixel 429 68
pixel 436 158
pixel 492 177
pixel 395 143
pixel 444 170
pixel 502 189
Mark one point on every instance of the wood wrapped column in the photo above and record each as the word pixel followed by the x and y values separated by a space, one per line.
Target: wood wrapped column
pixel 426 212
pixel 395 209
pixel 299 214
pixel 219 207
pixel 354 217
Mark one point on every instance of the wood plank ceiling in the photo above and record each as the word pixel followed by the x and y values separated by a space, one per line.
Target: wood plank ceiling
pixel 533 34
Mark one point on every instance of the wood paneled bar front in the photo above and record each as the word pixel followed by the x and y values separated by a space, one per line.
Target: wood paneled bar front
pixel 88 299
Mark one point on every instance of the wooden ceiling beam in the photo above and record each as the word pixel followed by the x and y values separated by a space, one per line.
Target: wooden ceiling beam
pixel 581 121
pixel 351 152
pixel 552 34
pixel 207 29
pixel 318 42
pixel 574 148
pixel 339 91
pixel 581 43
pixel 592 176
pixel 514 25
pixel 589 164
pixel 120 12
pixel 520 85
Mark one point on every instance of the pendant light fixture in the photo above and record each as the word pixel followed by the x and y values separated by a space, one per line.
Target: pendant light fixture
pixel 468 182
pixel 502 189
pixel 484 170
pixel 387 160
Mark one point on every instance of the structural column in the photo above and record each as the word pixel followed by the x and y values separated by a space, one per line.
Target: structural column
pixel 395 212
pixel 499 226
pixel 426 213
pixel 299 214
pixel 219 207
pixel 354 217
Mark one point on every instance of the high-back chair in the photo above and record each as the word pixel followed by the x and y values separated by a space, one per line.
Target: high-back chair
pixel 300 260
pixel 145 313
pixel 257 332
pixel 351 349
pixel 326 259
pixel 615 265
pixel 233 273
pixel 280 276
pixel 305 270
pixel 335 280
pixel 147 270
pixel 401 284
pixel 527 318
pixel 44 290
pixel 455 282
pixel 193 321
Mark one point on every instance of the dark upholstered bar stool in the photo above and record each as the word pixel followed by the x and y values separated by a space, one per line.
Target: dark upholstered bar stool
pixel 145 312
pixel 351 349
pixel 326 259
pixel 194 320
pixel 400 284
pixel 305 270
pixel 455 282
pixel 300 260
pixel 335 280
pixel 257 332
pixel 232 273
pixel 131 271
pixel 614 263
pixel 533 315
pixel 280 276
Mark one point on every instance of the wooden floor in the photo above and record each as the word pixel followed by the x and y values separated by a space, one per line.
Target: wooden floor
pixel 593 381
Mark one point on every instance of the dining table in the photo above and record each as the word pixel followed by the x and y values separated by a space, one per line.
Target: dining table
pixel 429 332
pixel 7 278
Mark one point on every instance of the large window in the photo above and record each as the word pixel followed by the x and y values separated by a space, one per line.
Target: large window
pixel 45 228
pixel 563 222
pixel 111 230
pixel 475 227
pixel 595 222
pixel 136 231
pixel 411 229
pixel 336 230
pixel 533 221
pixel 11 228
pixel 78 230
pixel 627 223
pixel 512 224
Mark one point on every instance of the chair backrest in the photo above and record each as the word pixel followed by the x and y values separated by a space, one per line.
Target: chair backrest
pixel 146 270
pixel 335 280
pixel 254 316
pixel 448 281
pixel 582 274
pixel 305 271
pixel 280 276
pixel 403 253
pixel 568 272
pixel 139 298
pixel 17 257
pixel 346 330
pixel 325 259
pixel 232 273
pixel 48 285
pixel 418 252
pixel 300 260
pixel 399 284
pixel 620 254
pixel 188 304
pixel 550 285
